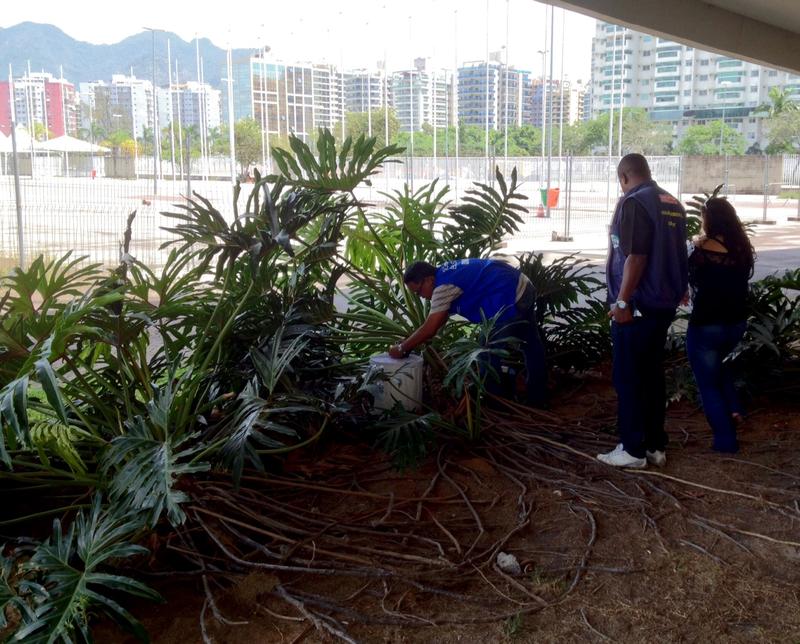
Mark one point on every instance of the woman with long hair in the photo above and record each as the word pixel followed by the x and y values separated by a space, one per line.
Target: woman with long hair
pixel 720 266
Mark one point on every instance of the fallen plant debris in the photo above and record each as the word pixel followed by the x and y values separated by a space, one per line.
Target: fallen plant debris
pixel 363 548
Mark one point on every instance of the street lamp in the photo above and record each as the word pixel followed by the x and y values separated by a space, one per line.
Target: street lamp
pixel 155 114
pixel 543 52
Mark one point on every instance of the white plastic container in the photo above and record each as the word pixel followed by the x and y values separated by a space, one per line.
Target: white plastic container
pixel 404 381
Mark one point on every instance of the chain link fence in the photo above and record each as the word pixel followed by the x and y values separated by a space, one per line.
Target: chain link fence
pixel 86 212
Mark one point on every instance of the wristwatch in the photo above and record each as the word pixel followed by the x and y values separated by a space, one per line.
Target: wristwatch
pixel 621 305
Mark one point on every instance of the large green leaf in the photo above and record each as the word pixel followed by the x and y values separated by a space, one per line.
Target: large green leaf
pixel 14 429
pixel 329 171
pixel 483 219
pixel 71 568
pixel 144 471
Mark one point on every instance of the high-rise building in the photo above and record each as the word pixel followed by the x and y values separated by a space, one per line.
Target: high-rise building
pixel 567 99
pixel 364 90
pixel 242 87
pixel 283 98
pixel 680 84
pixel 40 99
pixel 198 105
pixel 124 104
pixel 420 97
pixel 586 103
pixel 515 97
pixel 479 93
pixel 328 97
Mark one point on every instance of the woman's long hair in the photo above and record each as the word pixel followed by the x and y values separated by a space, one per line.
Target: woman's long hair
pixel 721 222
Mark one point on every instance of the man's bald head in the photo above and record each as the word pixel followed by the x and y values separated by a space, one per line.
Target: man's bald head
pixel 633 170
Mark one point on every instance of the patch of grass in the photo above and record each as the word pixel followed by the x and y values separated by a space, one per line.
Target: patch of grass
pixel 789 194
pixel 513 626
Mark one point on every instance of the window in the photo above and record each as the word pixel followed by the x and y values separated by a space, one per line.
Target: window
pixel 754 73
pixel 644 82
pixel 645 68
pixel 646 53
pixel 703 77
pixel 687 63
pixel 704 63
pixel 703 92
pixel 688 77
pixel 772 72
pixel 687 92
pixel 752 120
pixel 754 88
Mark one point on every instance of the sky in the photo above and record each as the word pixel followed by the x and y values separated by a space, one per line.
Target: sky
pixel 350 33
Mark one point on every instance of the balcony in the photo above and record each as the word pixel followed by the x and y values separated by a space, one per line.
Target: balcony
pixel 663 71
pixel 666 98
pixel 729 63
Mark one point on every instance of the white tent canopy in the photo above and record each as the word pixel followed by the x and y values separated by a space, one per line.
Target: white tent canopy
pixel 71 145
pixel 23 141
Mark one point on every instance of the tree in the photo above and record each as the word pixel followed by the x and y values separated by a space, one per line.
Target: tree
pixel 40 132
pixel 357 123
pixel 121 140
pixel 705 139
pixel 641 134
pixel 247 140
pixel 784 132
pixel 780 101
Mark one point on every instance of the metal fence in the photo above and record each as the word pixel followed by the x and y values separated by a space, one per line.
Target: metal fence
pixel 87 215
pixel 791 170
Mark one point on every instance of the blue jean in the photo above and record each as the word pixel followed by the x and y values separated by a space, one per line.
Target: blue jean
pixel 707 347
pixel 638 375
pixel 524 328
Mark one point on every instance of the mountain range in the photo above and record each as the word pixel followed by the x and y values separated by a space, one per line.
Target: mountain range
pixel 47 48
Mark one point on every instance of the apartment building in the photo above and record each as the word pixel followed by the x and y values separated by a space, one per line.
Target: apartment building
pixel 420 96
pixel 195 104
pixel 679 84
pixel 567 99
pixel 364 90
pixel 40 99
pixel 328 96
pixel 126 103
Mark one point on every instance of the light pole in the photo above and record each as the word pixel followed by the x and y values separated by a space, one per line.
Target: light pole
pixel 155 114
pixel 723 85
pixel 543 52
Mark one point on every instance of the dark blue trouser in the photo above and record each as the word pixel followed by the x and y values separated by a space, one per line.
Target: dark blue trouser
pixel 638 375
pixel 707 347
pixel 524 328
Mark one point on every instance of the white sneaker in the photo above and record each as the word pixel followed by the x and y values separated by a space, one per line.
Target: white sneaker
pixel 618 457
pixel 657 457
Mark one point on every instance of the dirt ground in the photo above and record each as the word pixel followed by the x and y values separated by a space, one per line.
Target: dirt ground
pixel 706 549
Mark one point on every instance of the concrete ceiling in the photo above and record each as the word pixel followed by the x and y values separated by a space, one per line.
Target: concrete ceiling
pixel 762 31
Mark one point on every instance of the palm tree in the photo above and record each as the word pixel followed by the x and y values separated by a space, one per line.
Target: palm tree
pixel 780 101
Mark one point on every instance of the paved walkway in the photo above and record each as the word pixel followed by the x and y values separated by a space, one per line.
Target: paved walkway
pixel 777 245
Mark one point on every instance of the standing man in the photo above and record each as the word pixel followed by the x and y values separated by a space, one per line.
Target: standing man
pixel 647 277
pixel 473 288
